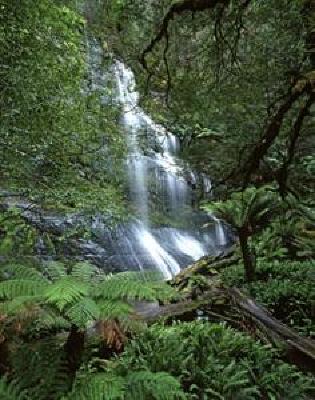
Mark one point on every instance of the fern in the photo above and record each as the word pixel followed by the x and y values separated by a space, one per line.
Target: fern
pixel 23 272
pixel 18 305
pixel 114 309
pixel 50 320
pixel 149 385
pixel 99 387
pixel 17 287
pixel 10 391
pixel 41 369
pixel 55 270
pixel 125 286
pixel 84 311
pixel 83 271
pixel 65 292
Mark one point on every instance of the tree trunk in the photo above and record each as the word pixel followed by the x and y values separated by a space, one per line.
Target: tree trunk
pixel 74 348
pixel 247 256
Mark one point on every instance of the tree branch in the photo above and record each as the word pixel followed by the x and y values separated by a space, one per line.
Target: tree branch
pixel 303 86
pixel 282 173
pixel 177 9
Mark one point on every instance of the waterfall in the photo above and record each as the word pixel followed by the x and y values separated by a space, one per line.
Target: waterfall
pixel 219 230
pixel 158 188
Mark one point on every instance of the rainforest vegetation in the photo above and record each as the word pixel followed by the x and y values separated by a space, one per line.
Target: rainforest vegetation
pixel 230 86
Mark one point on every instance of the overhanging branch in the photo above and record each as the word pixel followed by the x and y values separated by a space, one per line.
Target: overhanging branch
pixel 177 9
pixel 251 164
pixel 283 172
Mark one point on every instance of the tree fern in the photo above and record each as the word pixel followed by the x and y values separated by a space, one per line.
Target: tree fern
pixel 110 309
pixel 125 286
pixel 49 320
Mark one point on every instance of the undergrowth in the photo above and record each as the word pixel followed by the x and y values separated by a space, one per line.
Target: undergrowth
pixel 286 288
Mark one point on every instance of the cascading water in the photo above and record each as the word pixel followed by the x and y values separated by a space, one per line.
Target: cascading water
pixel 159 171
pixel 166 233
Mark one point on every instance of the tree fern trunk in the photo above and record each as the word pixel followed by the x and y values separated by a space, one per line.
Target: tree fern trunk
pixel 74 348
pixel 4 356
pixel 247 256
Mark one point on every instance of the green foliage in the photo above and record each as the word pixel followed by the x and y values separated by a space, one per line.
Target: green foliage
pixel 53 126
pixel 9 391
pixel 157 386
pixel 40 310
pixel 66 291
pixel 288 235
pixel 77 297
pixel 46 375
pixel 212 361
pixel 136 385
pixel 250 208
pixel 225 77
pixel 16 235
pixel 286 288
pixel 98 387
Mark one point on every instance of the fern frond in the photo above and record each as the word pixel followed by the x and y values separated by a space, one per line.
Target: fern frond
pixel 18 304
pixel 163 291
pixel 124 286
pixel 17 287
pixel 114 309
pixel 149 385
pixel 49 320
pixel 84 271
pixel 99 387
pixel 65 292
pixel 84 311
pixel 55 270
pixel 10 391
pixel 16 271
pixel 41 369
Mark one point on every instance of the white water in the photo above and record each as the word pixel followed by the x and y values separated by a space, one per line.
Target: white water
pixel 160 171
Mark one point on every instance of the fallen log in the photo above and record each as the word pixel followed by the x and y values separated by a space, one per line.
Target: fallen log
pixel 241 311
pixel 299 350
